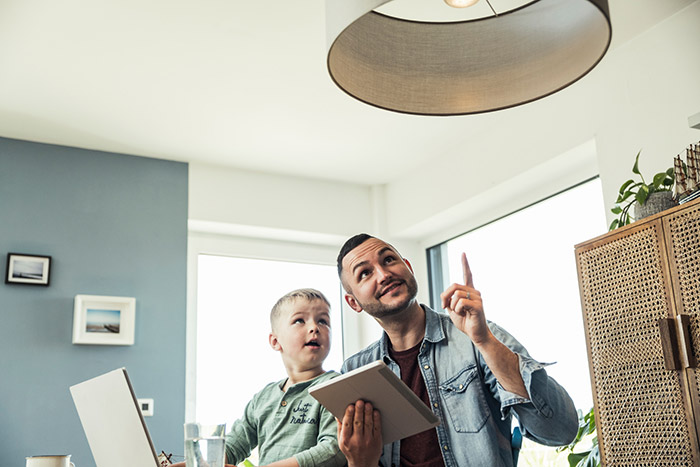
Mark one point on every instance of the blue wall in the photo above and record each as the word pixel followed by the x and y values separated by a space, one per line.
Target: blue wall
pixel 114 225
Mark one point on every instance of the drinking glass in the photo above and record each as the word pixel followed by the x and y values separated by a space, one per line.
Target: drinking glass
pixel 204 445
pixel 50 461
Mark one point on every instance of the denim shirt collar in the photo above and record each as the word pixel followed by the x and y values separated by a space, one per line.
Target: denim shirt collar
pixel 434 332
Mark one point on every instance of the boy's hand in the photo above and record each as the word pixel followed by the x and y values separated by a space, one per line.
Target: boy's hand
pixel 360 435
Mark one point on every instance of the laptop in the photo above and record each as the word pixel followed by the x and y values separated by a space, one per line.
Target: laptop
pixel 113 424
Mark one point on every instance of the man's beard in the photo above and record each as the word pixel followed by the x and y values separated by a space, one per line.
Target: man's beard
pixel 380 311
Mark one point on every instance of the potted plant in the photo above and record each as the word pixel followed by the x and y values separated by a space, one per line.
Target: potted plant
pixel 589 456
pixel 648 198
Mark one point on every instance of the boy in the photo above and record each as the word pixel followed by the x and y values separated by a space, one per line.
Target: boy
pixel 290 427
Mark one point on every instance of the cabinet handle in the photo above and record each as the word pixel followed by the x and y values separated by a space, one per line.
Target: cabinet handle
pixel 688 360
pixel 669 344
pixel 676 343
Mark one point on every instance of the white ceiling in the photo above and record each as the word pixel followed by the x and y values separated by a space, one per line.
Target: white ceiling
pixel 227 82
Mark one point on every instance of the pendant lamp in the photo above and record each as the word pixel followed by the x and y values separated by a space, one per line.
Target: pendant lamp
pixel 501 60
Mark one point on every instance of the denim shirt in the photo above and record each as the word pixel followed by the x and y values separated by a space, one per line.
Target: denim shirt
pixel 474 409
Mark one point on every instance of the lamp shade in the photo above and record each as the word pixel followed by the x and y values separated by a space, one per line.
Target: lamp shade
pixel 463 67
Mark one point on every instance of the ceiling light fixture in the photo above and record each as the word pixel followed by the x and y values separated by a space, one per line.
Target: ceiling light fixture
pixel 502 59
pixel 460 3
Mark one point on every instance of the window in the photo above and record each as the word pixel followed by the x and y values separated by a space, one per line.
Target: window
pixel 233 357
pixel 525 268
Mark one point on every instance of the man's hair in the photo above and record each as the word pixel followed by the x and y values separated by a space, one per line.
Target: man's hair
pixel 291 297
pixel 348 246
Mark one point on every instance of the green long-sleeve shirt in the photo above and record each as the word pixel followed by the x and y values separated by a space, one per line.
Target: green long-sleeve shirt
pixel 286 424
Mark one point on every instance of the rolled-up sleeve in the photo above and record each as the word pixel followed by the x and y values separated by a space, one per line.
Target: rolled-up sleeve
pixel 548 416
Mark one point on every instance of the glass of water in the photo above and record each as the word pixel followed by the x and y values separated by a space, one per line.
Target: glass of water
pixel 204 445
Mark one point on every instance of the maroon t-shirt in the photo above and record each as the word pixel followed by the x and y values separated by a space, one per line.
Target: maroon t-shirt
pixel 422 449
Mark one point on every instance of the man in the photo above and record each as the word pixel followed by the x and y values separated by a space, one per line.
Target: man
pixel 473 374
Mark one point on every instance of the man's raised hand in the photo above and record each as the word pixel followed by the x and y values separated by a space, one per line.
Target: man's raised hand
pixel 464 305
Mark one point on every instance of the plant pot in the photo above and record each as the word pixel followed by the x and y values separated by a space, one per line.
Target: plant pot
pixel 655 203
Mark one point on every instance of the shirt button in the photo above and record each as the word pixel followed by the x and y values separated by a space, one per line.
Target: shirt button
pixel 426 366
pixel 445 448
pixel 435 404
pixel 461 386
pixel 284 403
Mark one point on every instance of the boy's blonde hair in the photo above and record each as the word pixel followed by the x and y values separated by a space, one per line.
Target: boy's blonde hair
pixel 291 297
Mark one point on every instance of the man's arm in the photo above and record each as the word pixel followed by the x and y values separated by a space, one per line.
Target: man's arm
pixel 466 310
pixel 546 412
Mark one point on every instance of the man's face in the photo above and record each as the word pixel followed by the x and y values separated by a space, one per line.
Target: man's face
pixel 378 280
pixel 302 333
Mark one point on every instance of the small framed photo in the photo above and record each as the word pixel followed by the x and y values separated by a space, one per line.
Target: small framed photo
pixel 27 269
pixel 102 320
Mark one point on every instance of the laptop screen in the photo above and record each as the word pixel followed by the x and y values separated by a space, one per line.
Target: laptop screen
pixel 113 424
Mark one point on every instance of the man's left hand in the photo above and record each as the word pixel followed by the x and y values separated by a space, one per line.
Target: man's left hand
pixel 464 305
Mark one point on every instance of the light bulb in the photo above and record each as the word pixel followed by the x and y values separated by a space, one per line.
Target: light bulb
pixel 460 3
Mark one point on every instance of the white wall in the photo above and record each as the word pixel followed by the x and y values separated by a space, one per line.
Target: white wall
pixel 652 86
pixel 223 197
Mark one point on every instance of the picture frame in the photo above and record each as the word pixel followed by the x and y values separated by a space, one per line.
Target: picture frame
pixel 104 320
pixel 28 269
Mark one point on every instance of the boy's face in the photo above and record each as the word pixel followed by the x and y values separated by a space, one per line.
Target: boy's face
pixel 302 333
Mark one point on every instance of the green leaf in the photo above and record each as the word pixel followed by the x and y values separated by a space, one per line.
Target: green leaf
pixel 625 185
pixel 642 194
pixel 624 196
pixel 576 457
pixel 659 179
pixel 617 209
pixel 671 172
pixel 614 224
pixel 593 456
pixel 635 169
pixel 590 462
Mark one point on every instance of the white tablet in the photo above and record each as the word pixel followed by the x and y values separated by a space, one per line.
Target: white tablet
pixel 403 413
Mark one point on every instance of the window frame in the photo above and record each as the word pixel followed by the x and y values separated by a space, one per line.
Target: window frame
pixel 199 243
pixel 436 256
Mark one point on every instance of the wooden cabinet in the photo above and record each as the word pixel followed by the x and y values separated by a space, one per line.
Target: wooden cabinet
pixel 640 296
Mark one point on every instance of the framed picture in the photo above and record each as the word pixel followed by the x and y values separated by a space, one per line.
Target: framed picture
pixel 27 269
pixel 102 320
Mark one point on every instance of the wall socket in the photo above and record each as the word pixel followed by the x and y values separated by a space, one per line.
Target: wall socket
pixel 146 406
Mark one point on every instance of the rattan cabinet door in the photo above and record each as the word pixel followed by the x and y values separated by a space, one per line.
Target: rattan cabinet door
pixel 625 290
pixel 682 228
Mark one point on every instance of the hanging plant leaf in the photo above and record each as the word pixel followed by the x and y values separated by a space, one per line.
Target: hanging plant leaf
pixel 669 180
pixel 642 194
pixel 635 169
pixel 660 179
pixel 625 185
